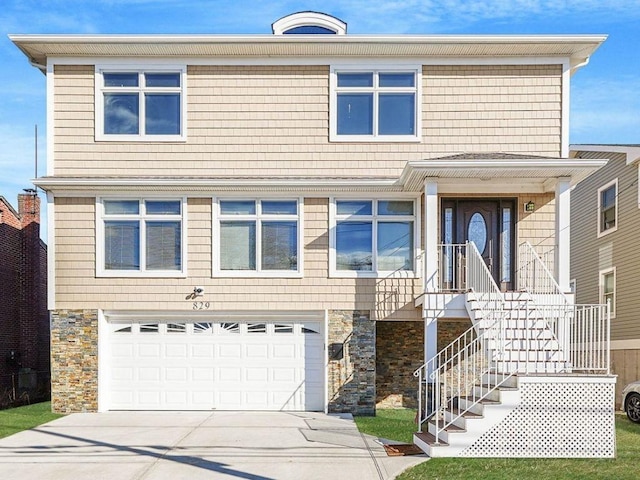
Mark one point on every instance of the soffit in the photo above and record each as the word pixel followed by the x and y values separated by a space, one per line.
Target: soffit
pixel 39 47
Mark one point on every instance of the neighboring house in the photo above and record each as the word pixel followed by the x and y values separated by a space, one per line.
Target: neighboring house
pixel 24 319
pixel 280 222
pixel 605 263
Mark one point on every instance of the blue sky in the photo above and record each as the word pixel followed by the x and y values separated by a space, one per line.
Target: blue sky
pixel 605 95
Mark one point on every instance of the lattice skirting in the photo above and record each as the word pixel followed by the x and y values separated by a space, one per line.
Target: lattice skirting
pixel 557 417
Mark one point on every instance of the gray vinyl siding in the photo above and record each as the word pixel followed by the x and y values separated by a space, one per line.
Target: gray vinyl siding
pixel 619 249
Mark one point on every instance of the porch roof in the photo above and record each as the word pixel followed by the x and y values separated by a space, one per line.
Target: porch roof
pixel 496 173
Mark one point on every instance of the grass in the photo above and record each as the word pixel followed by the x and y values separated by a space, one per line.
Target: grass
pixel 15 420
pixel 398 425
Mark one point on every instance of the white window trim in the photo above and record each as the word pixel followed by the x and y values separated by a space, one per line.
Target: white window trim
pixel 258 273
pixel 601 275
pixel 417 253
pixel 366 68
pixel 100 136
pixel 602 233
pixel 100 246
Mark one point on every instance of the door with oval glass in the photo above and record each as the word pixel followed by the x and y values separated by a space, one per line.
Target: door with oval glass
pixel 489 224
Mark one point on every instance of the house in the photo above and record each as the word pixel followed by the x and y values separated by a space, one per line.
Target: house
pixel 299 220
pixel 24 319
pixel 604 265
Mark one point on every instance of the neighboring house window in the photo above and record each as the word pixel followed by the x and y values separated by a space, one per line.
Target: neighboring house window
pixel 258 237
pixel 141 237
pixel 380 105
pixel 370 237
pixel 608 208
pixel 146 105
pixel 608 289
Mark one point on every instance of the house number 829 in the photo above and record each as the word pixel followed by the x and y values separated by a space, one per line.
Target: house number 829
pixel 201 305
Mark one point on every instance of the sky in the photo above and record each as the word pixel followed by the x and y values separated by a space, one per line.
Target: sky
pixel 605 95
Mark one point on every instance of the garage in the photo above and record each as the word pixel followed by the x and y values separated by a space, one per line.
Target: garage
pixel 213 363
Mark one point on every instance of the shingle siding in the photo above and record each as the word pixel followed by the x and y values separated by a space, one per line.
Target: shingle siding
pixel 277 118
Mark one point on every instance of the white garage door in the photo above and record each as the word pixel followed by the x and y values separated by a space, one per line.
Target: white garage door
pixel 224 365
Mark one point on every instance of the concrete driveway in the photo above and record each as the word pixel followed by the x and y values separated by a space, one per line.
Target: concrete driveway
pixel 198 445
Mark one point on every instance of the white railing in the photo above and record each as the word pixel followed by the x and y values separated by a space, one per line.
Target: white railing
pixel 448 383
pixel 535 278
pixel 543 333
pixel 452 263
pixel 582 333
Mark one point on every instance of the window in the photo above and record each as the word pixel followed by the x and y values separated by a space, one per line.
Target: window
pixel 608 208
pixel 258 238
pixel 608 289
pixel 140 237
pixel 373 236
pixel 140 105
pixel 379 105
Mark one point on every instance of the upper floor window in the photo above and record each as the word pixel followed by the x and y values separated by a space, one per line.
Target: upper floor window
pixel 140 237
pixel 608 208
pixel 309 23
pixel 374 105
pixel 373 236
pixel 258 237
pixel 144 105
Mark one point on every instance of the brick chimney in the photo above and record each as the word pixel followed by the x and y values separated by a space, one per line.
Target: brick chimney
pixel 32 301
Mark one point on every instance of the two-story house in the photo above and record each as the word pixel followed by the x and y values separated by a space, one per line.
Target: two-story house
pixel 604 260
pixel 299 220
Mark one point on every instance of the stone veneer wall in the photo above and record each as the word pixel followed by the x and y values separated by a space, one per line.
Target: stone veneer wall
pixel 399 352
pixel 74 361
pixel 352 373
pixel 450 329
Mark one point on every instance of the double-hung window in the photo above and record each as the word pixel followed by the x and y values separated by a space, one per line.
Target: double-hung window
pixel 608 208
pixel 375 105
pixel 370 237
pixel 141 237
pixel 608 289
pixel 146 105
pixel 258 237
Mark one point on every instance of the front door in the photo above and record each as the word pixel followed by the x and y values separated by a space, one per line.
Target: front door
pixel 488 223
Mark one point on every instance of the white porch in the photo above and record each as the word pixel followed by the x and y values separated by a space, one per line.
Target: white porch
pixel 506 387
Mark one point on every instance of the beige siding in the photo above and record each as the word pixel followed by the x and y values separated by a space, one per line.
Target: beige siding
pixel 619 249
pixel 277 119
pixel 77 286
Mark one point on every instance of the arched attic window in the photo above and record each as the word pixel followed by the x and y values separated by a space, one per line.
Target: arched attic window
pixel 309 23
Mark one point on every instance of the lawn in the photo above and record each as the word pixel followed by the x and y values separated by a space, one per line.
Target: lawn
pixel 15 420
pixel 398 425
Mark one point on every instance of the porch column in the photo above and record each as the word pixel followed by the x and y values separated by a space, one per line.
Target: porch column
pixel 431 283
pixel 563 211
pixel 430 235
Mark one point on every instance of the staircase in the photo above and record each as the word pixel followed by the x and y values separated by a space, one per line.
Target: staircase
pixel 473 384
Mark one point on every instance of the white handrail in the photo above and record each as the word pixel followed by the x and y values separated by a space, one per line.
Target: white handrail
pixel 452 376
pixel 552 335
pixel 535 278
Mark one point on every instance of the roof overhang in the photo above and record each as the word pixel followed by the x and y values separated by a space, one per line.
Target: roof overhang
pixel 499 175
pixel 632 151
pixel 474 176
pixel 577 48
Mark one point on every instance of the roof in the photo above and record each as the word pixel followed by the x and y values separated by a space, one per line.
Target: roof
pixel 632 151
pixel 471 173
pixel 576 47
